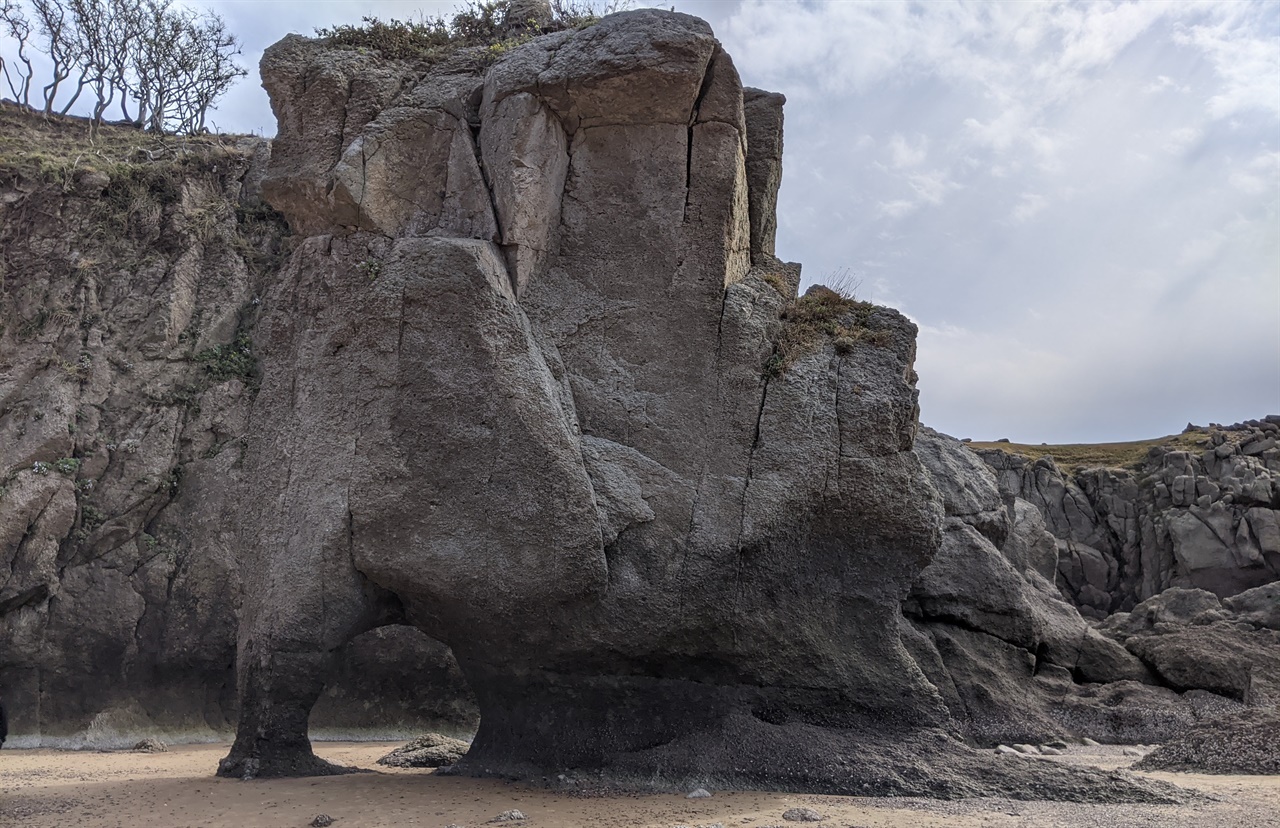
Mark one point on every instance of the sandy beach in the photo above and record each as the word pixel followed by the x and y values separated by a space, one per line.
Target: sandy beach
pixel 47 788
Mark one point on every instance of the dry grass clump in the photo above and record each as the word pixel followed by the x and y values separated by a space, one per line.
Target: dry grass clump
pixel 821 315
pixel 776 281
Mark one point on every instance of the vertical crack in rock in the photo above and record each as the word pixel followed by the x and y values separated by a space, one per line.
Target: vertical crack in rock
pixel 486 177
pixel 746 489
pixel 342 124
pixel 694 113
pixel 839 427
pixel 364 183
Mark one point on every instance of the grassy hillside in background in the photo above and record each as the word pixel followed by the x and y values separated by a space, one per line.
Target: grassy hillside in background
pixel 1107 455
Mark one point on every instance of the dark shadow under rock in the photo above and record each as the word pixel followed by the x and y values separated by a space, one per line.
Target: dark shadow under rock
pixel 852 763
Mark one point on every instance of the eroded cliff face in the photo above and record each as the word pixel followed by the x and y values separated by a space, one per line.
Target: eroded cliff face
pixel 535 383
pixel 1016 662
pixel 1206 518
pixel 130 280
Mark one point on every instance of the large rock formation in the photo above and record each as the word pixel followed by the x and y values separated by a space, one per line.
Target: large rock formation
pixel 1016 663
pixel 535 384
pixel 1205 514
pixel 129 279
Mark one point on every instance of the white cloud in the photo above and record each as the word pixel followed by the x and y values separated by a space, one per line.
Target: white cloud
pixel 906 154
pixel 1164 83
pixel 897 208
pixel 931 187
pixel 1029 206
pixel 1180 139
pixel 1199 252
pixel 1244 54
pixel 1260 177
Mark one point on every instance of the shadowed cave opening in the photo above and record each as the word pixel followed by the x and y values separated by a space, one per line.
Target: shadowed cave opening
pixel 394 682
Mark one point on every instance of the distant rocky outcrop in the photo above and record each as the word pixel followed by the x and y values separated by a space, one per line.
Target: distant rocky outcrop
pixel 1204 514
pixel 534 383
pixel 1016 662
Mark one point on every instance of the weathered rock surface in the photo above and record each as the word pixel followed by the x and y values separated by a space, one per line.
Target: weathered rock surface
pixel 127 291
pixel 431 750
pixel 1190 639
pixel 1207 519
pixel 1259 606
pixel 1244 743
pixel 1016 663
pixel 527 398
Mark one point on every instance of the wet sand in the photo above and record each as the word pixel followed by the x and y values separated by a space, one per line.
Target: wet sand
pixel 48 788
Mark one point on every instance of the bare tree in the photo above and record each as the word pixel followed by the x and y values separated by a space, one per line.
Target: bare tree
pixel 152 58
pixel 171 61
pixel 60 43
pixel 128 24
pixel 95 26
pixel 211 70
pixel 14 24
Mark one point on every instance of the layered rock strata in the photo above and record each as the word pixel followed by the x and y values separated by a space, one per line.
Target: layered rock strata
pixel 522 388
pixel 1206 518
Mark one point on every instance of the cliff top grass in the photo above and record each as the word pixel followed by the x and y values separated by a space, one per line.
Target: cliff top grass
pixel 53 148
pixel 1076 456
pixel 478 23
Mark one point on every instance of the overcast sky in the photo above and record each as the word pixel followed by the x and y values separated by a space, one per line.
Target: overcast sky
pixel 1079 204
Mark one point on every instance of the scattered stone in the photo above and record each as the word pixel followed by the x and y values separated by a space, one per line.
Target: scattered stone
pixel 1057 743
pixel 509 816
pixel 801 815
pixel 431 750
pixel 1090 742
pixel 1006 750
pixel 151 746
pixel 698 793
pixel 1050 751
pixel 1030 750
pixel 322 821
